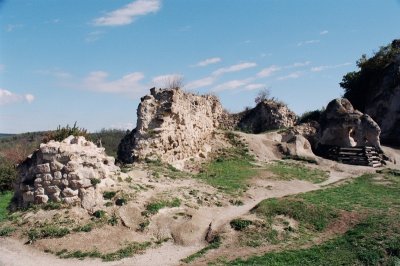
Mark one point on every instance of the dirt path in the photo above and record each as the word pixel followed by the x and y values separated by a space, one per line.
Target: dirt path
pixel 13 252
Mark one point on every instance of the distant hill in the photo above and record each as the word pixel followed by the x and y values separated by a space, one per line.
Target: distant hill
pixel 5 135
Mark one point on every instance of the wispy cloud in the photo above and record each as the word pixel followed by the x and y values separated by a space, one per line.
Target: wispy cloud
pixel 127 14
pixel 94 36
pixel 208 61
pixel 266 72
pixel 232 84
pixel 293 75
pixel 56 72
pixel 8 97
pixel 299 64
pixel 324 32
pixel 234 68
pixel 130 83
pixel 12 27
pixel 254 86
pixel 308 42
pixel 322 68
pixel 207 81
pixel 164 81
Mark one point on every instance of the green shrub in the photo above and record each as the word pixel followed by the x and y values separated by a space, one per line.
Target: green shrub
pixel 63 132
pixel 95 181
pixel 109 194
pixel 240 224
pixel 99 214
pixel 8 174
pixel 121 201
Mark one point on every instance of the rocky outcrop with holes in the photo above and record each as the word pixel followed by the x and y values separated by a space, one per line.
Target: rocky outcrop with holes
pixel 71 171
pixel 342 125
pixel 172 125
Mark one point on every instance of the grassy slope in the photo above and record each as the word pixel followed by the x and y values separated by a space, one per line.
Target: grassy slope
pixel 375 240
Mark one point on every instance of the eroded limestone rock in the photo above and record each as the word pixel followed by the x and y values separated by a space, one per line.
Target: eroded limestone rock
pixel 172 125
pixel 342 125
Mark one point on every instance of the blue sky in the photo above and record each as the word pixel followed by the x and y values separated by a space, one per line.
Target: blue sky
pixel 91 61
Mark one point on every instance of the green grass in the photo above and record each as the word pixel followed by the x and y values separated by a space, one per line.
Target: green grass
pixel 48 231
pixel 5 199
pixel 231 168
pixel 128 251
pixel 375 240
pixel 314 217
pixel 229 175
pixel 6 230
pixel 213 245
pixel 291 170
pixel 154 207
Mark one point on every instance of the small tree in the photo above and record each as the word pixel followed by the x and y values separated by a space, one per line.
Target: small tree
pixel 262 95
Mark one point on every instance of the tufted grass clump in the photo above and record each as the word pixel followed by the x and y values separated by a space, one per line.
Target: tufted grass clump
pixel 240 224
pixel 154 207
pixel 48 231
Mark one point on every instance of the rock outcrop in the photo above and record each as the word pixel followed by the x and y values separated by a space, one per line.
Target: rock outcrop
pixel 70 171
pixel 172 125
pixel 267 115
pixel 375 90
pixel 341 125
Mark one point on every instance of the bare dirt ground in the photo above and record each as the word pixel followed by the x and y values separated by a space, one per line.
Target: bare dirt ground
pixel 202 203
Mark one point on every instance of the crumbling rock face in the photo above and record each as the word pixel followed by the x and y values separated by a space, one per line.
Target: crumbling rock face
pixel 172 125
pixel 341 125
pixel 66 172
pixel 267 115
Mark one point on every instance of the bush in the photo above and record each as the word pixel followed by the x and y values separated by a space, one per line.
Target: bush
pixel 8 174
pixel 63 132
pixel 109 194
pixel 240 224
pixel 310 116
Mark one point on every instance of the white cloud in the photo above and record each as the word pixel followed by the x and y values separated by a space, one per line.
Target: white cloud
pixel 254 86
pixel 29 98
pixel 8 97
pixel 97 81
pixel 324 32
pixel 266 72
pixel 322 68
pixel 308 42
pixel 207 81
pixel 165 81
pixel 127 14
pixel 208 61
pixel 293 75
pixel 234 68
pixel 233 84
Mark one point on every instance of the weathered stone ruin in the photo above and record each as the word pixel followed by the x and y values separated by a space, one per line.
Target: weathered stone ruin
pixel 267 115
pixel 172 125
pixel 70 171
pixel 341 125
